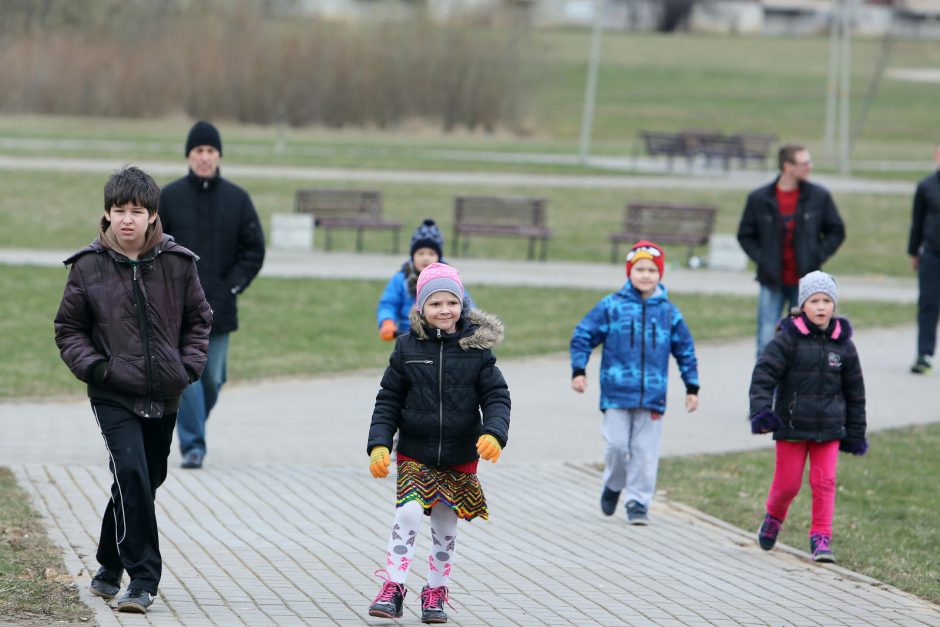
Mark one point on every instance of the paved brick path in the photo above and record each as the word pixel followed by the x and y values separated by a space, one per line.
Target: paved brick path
pixel 292 544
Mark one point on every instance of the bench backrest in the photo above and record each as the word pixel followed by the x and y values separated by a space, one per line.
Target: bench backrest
pixel 500 210
pixel 756 144
pixel 663 143
pixel 339 203
pixel 670 222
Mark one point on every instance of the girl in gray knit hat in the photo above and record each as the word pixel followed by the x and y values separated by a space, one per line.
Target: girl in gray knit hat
pixel 807 389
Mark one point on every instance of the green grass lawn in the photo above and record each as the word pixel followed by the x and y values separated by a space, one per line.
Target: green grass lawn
pixel 297 327
pixel 34 587
pixel 885 523
pixel 646 81
pixel 36 214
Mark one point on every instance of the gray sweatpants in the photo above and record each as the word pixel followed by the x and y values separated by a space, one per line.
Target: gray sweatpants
pixel 632 452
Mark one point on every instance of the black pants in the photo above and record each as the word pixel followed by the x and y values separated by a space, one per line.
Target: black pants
pixel 928 302
pixel 138 450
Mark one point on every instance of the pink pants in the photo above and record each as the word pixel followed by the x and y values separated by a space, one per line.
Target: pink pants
pixel 788 478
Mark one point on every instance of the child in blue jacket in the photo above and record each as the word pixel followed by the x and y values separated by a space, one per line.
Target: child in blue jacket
pixel 394 309
pixel 639 329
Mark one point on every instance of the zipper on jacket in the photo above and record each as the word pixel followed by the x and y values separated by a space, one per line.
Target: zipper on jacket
pixel 653 323
pixel 643 356
pixel 440 398
pixel 427 362
pixel 632 331
pixel 144 339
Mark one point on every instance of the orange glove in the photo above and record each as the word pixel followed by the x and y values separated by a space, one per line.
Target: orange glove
pixel 489 448
pixel 379 462
pixel 387 330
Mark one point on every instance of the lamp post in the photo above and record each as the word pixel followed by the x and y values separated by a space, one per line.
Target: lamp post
pixel 587 116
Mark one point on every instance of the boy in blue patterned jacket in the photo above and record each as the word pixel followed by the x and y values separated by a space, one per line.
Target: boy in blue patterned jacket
pixel 639 328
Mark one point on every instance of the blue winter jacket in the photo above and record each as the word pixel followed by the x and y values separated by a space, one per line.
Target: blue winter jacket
pixel 638 337
pixel 396 301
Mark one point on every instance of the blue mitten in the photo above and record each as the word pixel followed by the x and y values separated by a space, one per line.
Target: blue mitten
pixel 765 421
pixel 855 447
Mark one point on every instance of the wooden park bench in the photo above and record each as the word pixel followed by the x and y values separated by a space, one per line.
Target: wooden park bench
pixel 350 209
pixel 664 223
pixel 755 147
pixel 498 215
pixel 671 145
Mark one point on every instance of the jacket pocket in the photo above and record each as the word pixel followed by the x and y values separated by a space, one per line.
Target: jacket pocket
pixel 173 377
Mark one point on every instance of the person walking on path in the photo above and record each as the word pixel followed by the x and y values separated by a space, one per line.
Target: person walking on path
pixel 807 388
pixel 217 220
pixel 639 328
pixel 444 395
pixel 394 309
pixel 789 228
pixel 133 324
pixel 924 248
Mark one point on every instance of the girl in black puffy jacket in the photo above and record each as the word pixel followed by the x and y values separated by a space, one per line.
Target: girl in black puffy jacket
pixel 807 388
pixel 449 403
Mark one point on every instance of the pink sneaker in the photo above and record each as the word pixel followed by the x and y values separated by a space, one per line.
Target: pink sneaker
pixel 389 601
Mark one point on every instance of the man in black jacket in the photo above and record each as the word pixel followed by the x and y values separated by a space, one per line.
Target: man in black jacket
pixel 789 228
pixel 924 249
pixel 216 220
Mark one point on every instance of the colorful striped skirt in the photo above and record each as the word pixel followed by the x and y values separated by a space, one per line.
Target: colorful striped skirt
pixel 460 491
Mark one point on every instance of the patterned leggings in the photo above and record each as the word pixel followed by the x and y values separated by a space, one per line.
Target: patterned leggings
pixel 401 544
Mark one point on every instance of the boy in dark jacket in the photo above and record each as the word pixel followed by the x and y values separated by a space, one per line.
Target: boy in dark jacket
pixel 450 404
pixel 807 388
pixel 133 324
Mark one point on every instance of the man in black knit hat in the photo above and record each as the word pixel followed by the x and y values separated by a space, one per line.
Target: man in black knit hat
pixel 216 220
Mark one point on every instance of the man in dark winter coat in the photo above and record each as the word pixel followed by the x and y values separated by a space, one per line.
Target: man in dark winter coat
pixel 924 249
pixel 216 220
pixel 789 228
pixel 133 324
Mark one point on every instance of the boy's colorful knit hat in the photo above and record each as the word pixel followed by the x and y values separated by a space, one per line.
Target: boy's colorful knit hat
pixel 203 134
pixel 816 282
pixel 427 235
pixel 646 250
pixel 437 277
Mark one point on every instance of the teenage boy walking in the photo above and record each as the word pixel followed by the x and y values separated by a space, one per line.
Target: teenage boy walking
pixel 134 325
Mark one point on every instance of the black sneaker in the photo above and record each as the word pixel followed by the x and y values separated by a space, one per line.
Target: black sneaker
pixel 106 583
pixel 923 365
pixel 768 532
pixel 388 602
pixel 819 547
pixel 192 460
pixel 134 601
pixel 609 500
pixel 432 604
pixel 636 513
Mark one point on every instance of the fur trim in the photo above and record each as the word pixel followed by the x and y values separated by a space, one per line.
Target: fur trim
pixel 765 421
pixel 854 446
pixel 489 330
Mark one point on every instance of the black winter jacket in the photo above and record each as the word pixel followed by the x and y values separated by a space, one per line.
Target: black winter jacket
pixel 136 334
pixel 925 222
pixel 435 388
pixel 818 233
pixel 812 380
pixel 216 220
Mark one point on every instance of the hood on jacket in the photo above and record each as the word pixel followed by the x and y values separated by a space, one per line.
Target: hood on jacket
pixel 152 237
pixel 631 293
pixel 839 329
pixel 478 329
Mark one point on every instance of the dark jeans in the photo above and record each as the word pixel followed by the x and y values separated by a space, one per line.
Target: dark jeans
pixel 138 450
pixel 928 302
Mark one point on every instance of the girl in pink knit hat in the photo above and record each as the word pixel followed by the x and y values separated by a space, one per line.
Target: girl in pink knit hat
pixel 449 403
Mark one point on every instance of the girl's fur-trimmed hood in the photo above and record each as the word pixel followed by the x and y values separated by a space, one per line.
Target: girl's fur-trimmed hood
pixel 479 330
